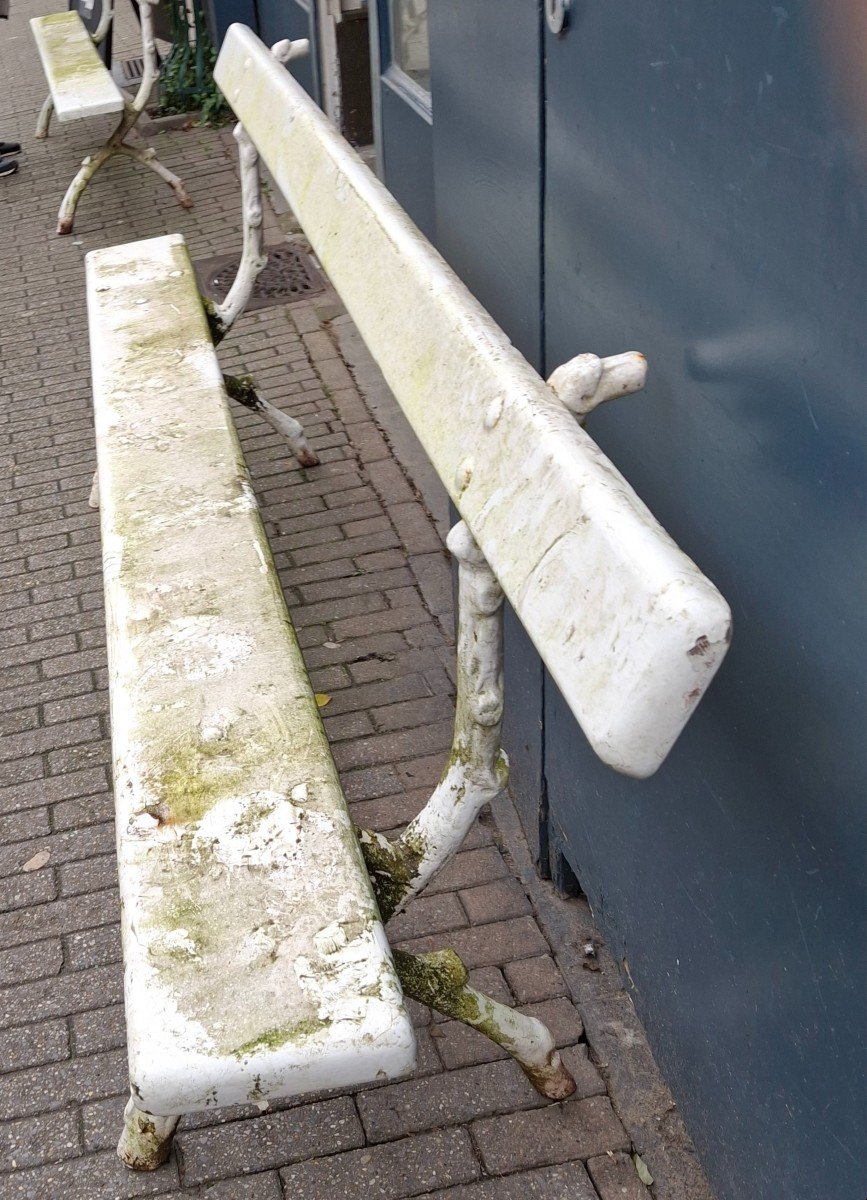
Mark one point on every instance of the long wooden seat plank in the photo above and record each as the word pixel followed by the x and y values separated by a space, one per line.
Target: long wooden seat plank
pixel 256 963
pixel 78 80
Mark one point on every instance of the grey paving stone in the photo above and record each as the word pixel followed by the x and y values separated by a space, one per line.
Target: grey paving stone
pixel 487 945
pixel 96 947
pixel 25 824
pixel 555 1133
pixel 37 1140
pixel 93 1177
pixel 54 1085
pixel 71 992
pixel 32 961
pixel 535 979
pixel 262 1143
pixel 63 847
pixel 30 1045
pixel 97 1030
pixel 566 1182
pixel 388 1172
pixel 448 1099
pixel 70 914
pixel 470 868
pixel 495 901
pixel 616 1178
pixel 427 914
pixel 22 891
pixel 255 1187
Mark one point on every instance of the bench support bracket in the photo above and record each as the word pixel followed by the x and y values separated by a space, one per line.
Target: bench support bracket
pixel 116 143
pixel 146 1139
pixel 477 770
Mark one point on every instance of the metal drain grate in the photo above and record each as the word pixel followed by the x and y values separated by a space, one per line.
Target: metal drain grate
pixel 128 72
pixel 290 275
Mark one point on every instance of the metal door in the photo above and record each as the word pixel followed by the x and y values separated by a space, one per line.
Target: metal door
pixel 403 113
pixel 705 188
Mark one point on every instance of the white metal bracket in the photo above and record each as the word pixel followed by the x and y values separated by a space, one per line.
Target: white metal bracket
pixel 586 381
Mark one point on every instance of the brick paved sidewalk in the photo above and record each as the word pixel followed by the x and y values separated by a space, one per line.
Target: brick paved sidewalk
pixel 368 585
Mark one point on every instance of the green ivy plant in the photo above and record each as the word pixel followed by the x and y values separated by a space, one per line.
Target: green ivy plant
pixel 187 74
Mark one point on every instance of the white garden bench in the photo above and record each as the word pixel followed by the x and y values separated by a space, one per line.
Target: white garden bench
pixel 256 963
pixel 80 85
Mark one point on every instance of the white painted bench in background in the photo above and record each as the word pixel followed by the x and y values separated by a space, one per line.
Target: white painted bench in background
pixel 80 85
pixel 225 788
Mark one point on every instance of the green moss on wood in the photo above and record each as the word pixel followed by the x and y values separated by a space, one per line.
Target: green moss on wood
pixel 273 1039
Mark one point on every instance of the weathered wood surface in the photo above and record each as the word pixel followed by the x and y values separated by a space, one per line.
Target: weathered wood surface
pixel 628 626
pixel 256 963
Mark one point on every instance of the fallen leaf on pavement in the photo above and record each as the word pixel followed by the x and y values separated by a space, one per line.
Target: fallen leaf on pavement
pixel 37 861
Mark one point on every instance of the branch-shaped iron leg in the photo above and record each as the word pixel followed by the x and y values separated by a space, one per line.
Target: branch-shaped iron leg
pixel 477 769
pixel 146 1140
pixel 242 389
pixel 147 156
pixel 439 980
pixel 116 145
pixel 44 119
pixel 253 258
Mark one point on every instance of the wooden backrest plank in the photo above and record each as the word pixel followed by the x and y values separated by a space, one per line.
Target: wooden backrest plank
pixel 628 626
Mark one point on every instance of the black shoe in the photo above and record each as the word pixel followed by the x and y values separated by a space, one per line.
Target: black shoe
pixel 9 148
pixel 8 166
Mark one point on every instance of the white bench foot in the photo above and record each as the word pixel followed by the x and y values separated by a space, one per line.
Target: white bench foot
pixel 439 980
pixel 146 1139
pixel 242 389
pixel 93 498
pixel 44 118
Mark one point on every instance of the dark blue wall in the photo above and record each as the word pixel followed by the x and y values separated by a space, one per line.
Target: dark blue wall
pixel 700 194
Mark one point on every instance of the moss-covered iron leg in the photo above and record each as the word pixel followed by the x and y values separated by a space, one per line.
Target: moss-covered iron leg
pixel 439 980
pixel 242 389
pixel 146 1139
